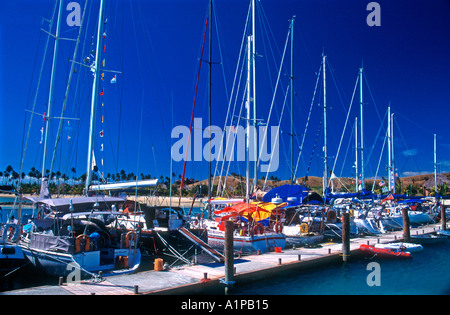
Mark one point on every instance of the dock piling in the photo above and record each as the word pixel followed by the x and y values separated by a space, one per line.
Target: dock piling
pixel 229 255
pixel 346 237
pixel 406 230
pixel 443 223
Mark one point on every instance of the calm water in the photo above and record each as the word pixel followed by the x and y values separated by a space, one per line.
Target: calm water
pixel 427 273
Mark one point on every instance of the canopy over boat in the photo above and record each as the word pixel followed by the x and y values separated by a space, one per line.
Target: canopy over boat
pixel 286 191
pixel 257 211
pixel 78 203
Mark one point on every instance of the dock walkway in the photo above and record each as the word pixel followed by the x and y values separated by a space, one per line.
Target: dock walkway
pixel 205 278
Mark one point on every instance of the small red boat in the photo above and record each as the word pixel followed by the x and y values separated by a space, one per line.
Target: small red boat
pixel 383 252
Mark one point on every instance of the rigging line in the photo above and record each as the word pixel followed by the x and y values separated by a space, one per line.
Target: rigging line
pixel 233 94
pixel 268 31
pixel 78 94
pixel 58 134
pixel 309 118
pixel 371 95
pixel 231 125
pixel 29 94
pixel 416 124
pixel 346 152
pixel 271 106
pixel 379 161
pixel 193 110
pixel 276 137
pixel 121 98
pixel 264 25
pixel 336 85
pixel 150 47
pixel 236 73
pixel 372 149
pixel 345 127
pixel 35 96
pixel 345 158
pixel 139 149
pixel 314 147
pixel 216 20
pixel 234 139
pixel 407 149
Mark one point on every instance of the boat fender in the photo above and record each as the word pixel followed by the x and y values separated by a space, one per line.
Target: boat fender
pixel 304 228
pixel 278 227
pixel 11 231
pixel 87 243
pixel 258 229
pixel 130 236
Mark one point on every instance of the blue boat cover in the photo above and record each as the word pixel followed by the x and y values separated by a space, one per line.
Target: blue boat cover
pixel 286 191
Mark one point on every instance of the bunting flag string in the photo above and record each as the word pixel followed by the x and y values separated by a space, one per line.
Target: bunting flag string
pixel 102 97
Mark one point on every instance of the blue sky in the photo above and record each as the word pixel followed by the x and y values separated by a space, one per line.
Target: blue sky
pixel 156 45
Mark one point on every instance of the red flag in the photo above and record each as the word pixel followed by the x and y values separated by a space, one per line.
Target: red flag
pixel 389 197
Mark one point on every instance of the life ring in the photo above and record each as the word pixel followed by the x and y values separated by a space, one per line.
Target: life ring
pixel 130 236
pixel 258 229
pixel 79 239
pixel 331 216
pixel 12 232
pixel 278 227
pixel 304 228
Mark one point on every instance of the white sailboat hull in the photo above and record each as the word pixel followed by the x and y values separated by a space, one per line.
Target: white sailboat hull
pixel 250 243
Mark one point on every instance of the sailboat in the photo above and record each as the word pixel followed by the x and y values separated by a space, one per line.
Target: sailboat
pixel 257 226
pixel 69 234
pixel 11 254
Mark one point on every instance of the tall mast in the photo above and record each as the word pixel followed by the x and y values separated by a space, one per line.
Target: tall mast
pixel 52 87
pixel 356 157
pixel 325 149
pixel 389 150
pixel 392 152
pixel 292 99
pixel 255 136
pixel 363 186
pixel 247 107
pixel 94 98
pixel 209 105
pixel 435 166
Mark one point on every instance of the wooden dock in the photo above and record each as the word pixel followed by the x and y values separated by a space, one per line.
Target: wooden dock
pixel 207 278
